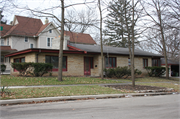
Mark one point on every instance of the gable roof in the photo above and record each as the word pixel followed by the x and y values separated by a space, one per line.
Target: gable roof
pixel 111 50
pixel 80 38
pixel 26 27
pixel 31 27
pixel 6 28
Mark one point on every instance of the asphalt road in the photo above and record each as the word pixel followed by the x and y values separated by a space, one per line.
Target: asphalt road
pixel 154 107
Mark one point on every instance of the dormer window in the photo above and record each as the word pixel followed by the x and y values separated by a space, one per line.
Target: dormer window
pixel 50 31
pixel 26 39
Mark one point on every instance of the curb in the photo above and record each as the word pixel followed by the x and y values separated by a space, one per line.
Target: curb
pixel 81 97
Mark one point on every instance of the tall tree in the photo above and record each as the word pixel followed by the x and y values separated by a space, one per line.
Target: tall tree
pixel 158 8
pixel 100 14
pixel 116 22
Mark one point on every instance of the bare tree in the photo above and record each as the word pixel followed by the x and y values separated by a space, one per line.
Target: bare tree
pixel 81 21
pixel 156 15
pixel 100 13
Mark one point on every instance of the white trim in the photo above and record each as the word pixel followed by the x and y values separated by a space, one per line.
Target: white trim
pixel 50 41
pixel 46 29
pixel 30 45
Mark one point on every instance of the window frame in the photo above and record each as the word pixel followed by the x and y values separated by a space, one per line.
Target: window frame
pixel 111 62
pixel 50 41
pixel 158 62
pixel 56 69
pixel 20 60
pixel 7 41
pixel 2 42
pixel 50 30
pixel 32 45
pixel 145 62
pixel 26 39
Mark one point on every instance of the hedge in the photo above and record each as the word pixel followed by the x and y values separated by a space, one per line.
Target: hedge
pixel 30 68
pixel 155 71
pixel 120 72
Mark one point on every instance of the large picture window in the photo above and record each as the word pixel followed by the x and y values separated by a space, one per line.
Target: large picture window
pixel 54 60
pixel 110 62
pixel 145 63
pixel 22 59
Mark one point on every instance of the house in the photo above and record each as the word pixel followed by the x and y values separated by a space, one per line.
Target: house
pixel 85 59
pixel 25 32
pixel 173 67
pixel 38 42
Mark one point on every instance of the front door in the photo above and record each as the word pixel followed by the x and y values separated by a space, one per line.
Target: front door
pixel 87 70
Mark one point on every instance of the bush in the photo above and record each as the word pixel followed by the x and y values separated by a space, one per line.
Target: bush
pixel 3 68
pixel 120 72
pixel 35 69
pixel 41 68
pixel 21 67
pixel 155 71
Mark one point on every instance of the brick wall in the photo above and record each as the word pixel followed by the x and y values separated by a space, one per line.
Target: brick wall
pixel 75 63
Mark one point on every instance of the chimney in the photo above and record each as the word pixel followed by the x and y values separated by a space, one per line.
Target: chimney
pixel 46 20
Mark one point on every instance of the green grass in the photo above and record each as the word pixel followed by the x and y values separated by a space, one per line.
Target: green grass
pixel 61 91
pixel 155 79
pixel 151 79
pixel 7 80
pixel 175 86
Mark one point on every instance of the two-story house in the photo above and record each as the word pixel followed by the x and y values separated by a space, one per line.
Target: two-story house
pixel 25 32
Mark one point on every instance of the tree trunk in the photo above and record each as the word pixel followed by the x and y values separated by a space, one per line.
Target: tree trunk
pixel 101 39
pixel 132 57
pixel 61 43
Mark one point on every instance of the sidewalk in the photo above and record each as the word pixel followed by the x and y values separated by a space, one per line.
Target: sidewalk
pixel 40 86
pixel 80 97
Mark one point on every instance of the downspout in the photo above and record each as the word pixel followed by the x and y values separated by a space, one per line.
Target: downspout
pixel 37 56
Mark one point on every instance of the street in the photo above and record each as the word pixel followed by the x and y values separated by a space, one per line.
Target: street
pixel 154 107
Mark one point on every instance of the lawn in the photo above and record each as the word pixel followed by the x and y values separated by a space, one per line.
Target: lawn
pixel 175 86
pixel 7 80
pixel 61 91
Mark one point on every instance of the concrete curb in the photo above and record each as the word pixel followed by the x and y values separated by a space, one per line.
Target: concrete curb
pixel 81 97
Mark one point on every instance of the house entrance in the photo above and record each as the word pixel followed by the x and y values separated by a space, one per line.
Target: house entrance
pixel 88 64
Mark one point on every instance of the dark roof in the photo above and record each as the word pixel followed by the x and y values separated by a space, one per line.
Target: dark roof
pixel 6 28
pixel 7 48
pixel 26 27
pixel 170 62
pixel 112 50
pixel 31 27
pixel 80 37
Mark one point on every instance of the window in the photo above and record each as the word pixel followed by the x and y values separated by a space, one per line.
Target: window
pixel 54 60
pixel 50 31
pixel 129 62
pixel 2 58
pixel 31 45
pixel 19 59
pixel 145 63
pixel 91 62
pixel 26 39
pixel 156 62
pixel 7 41
pixel 110 62
pixel 49 42
pixel 2 41
pixel 22 59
